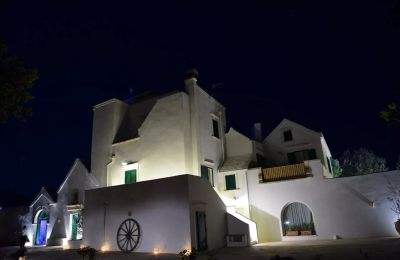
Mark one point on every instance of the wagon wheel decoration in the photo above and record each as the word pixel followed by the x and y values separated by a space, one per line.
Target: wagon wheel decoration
pixel 128 235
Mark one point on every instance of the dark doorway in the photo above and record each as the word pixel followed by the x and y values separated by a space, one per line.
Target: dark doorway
pixel 201 228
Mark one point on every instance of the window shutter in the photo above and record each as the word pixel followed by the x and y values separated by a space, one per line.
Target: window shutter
pixel 312 154
pixel 204 172
pixel 291 158
pixel 74 227
pixel 130 176
pixel 230 182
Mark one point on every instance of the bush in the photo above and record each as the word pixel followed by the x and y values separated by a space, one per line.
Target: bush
pixel 188 254
pixel 87 251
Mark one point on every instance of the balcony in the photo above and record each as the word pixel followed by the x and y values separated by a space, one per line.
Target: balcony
pixel 287 172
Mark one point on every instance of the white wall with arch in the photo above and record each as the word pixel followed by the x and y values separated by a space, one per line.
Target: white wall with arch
pixel 351 207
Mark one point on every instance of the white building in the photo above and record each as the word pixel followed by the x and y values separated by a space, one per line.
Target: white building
pixel 164 177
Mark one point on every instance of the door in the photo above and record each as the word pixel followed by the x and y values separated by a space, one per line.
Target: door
pixel 201 230
pixel 41 232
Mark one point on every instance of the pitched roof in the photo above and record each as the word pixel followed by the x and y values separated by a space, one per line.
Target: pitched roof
pixel 287 121
pixel 76 163
pixel 133 119
pixel 43 192
pixel 236 163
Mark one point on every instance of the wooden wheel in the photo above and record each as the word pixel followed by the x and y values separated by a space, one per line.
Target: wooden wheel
pixel 128 235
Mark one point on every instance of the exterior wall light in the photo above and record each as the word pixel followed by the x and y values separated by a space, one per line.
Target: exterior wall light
pixel 287 222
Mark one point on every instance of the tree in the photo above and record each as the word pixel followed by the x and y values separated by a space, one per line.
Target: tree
pixel 361 161
pixel 15 84
pixel 392 114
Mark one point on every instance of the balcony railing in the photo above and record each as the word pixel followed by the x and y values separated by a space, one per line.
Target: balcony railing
pixel 287 172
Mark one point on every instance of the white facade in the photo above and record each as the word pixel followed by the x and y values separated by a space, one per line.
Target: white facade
pixel 160 136
pixel 164 209
pixel 147 157
pixel 351 207
pixel 303 139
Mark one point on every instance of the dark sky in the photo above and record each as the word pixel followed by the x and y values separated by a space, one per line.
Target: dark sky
pixel 329 65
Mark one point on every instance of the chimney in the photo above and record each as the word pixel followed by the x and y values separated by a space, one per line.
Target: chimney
pixel 191 77
pixel 257 132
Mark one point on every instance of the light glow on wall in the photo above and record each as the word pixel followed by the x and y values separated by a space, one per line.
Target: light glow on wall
pixel 105 248
pixel 65 244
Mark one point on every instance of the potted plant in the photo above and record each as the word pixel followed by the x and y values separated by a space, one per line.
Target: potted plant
pixel 292 230
pixel 394 197
pixel 306 229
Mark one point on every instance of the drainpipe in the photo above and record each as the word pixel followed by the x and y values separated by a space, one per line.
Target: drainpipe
pixel 105 204
pixel 107 166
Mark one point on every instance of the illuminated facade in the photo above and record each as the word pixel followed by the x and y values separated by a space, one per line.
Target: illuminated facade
pixel 166 175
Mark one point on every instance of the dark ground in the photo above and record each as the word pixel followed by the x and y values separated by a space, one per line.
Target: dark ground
pixel 385 248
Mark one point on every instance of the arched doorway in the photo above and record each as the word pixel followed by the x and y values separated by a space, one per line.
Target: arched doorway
pixel 297 220
pixel 41 220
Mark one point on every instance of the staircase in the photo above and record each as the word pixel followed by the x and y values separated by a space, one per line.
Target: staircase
pixel 252 225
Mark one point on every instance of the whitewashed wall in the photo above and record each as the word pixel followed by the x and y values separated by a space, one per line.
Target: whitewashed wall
pixel 78 179
pixel 203 197
pixel 160 150
pixel 107 118
pixel 207 149
pixel 43 201
pixel 163 208
pixel 351 207
pixel 276 149
pixel 237 198
pixel 237 144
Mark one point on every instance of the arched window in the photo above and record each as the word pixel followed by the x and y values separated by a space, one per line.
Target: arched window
pixel 41 213
pixel 297 220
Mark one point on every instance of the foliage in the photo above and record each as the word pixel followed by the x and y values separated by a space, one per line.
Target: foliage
pixel 87 251
pixel 188 254
pixel 394 197
pixel 15 83
pixel 306 226
pixel 392 114
pixel 336 168
pixel 362 161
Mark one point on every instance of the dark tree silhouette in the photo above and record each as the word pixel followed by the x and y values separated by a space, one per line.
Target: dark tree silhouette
pixel 392 114
pixel 361 161
pixel 15 84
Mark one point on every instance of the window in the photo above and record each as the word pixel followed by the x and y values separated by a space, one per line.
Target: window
pixel 230 181
pixel 301 156
pixel 215 128
pixel 74 199
pixel 130 176
pixel 260 160
pixel 287 135
pixel 297 219
pixel 207 173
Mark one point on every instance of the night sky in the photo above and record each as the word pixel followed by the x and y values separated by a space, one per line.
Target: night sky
pixel 331 66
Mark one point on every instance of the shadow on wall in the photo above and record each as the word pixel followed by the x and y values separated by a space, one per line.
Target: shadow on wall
pixel 268 226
